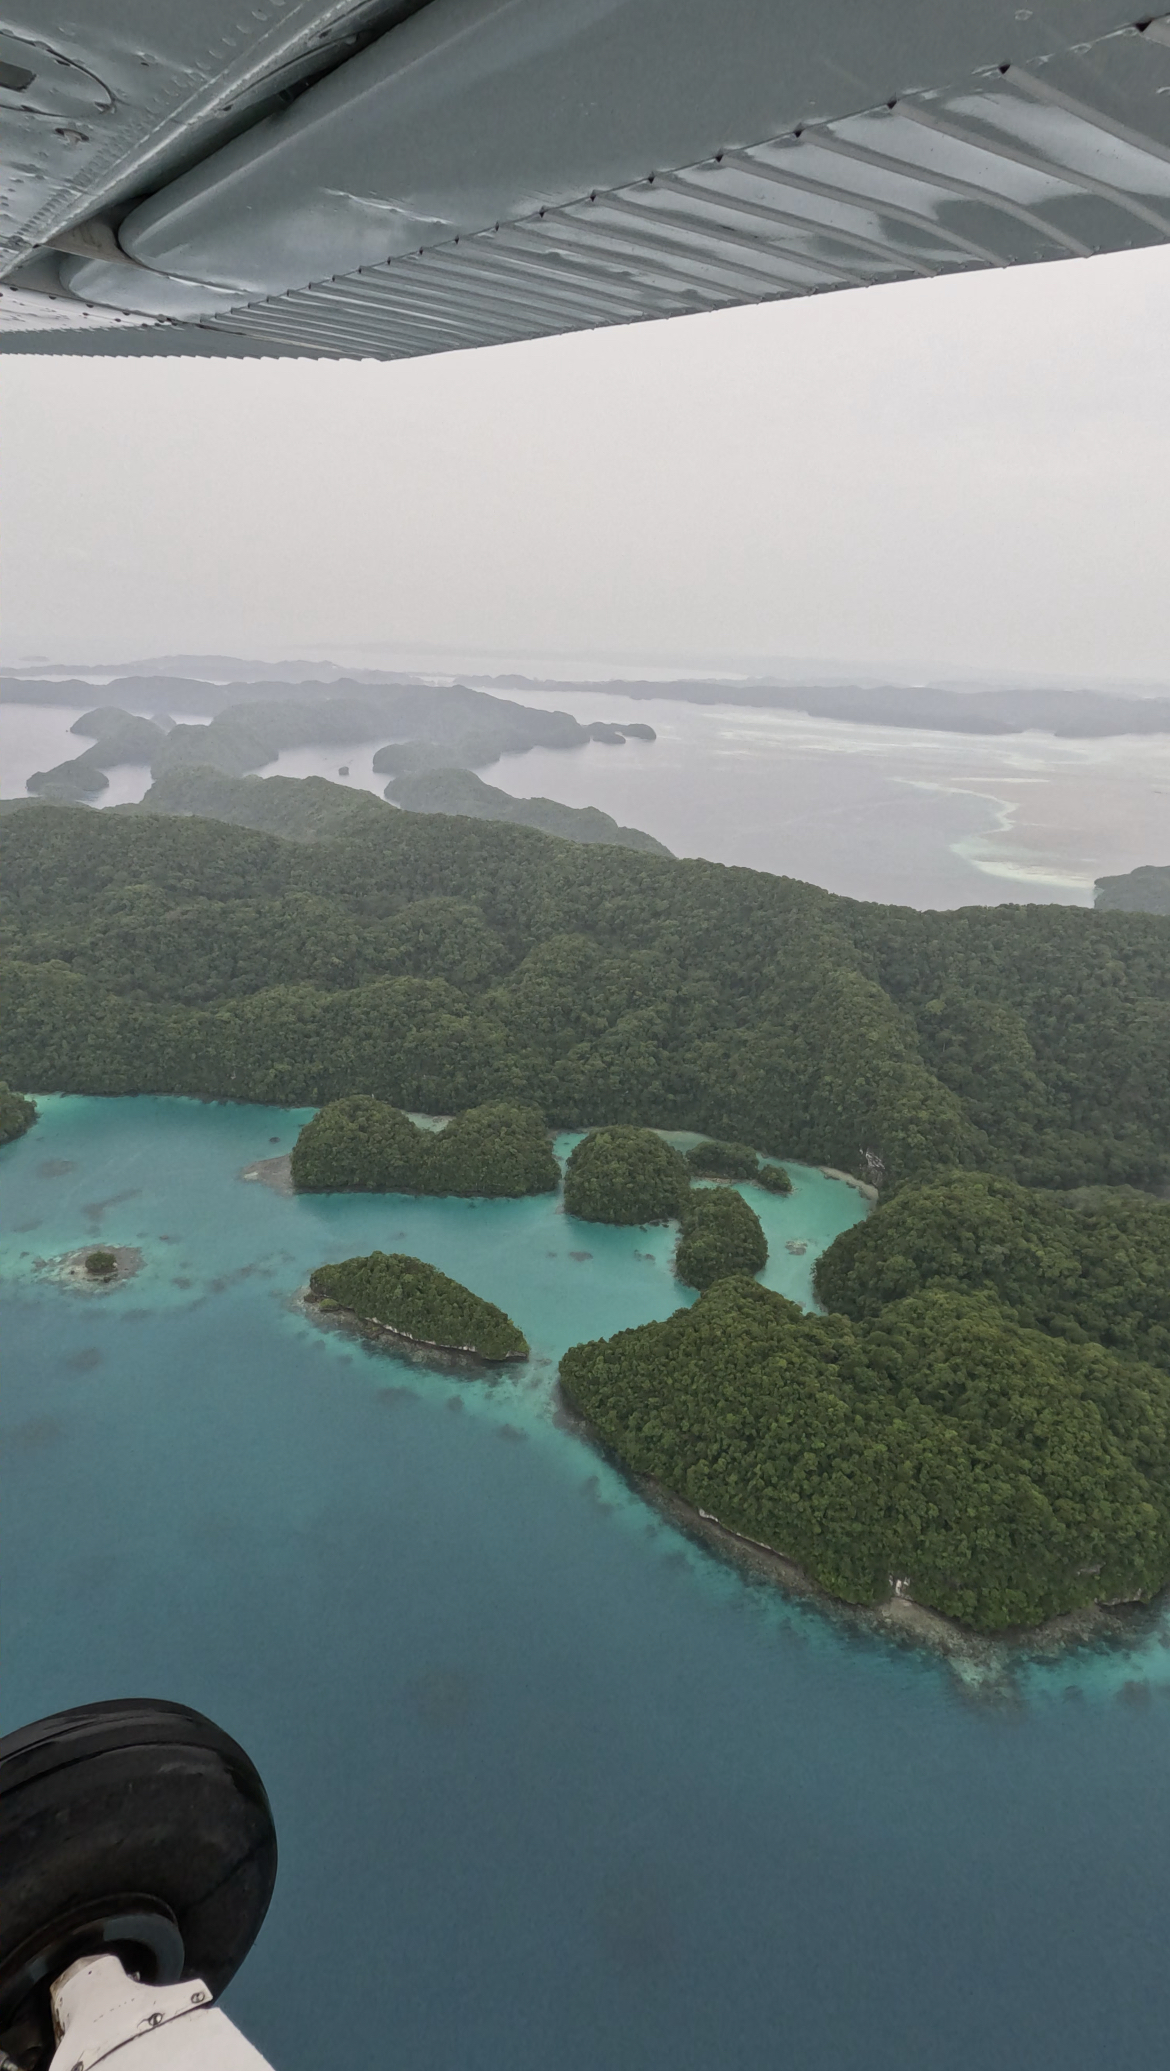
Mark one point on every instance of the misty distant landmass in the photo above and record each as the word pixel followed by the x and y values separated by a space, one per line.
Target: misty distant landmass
pixel 218 668
pixel 182 693
pixel 313 809
pixel 209 683
pixel 938 819
pixel 447 727
pixel 1071 714
pixel 461 792
pixel 1145 890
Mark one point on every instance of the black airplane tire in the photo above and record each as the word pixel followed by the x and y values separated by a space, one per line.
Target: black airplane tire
pixel 137 1827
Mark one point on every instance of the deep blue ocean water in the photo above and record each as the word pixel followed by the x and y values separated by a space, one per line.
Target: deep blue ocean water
pixel 555 1786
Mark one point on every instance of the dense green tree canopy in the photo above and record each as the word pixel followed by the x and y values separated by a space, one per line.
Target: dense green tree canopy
pixel 446 790
pixel 299 808
pixel 358 1145
pixel 495 1149
pixel 773 1178
pixel 364 1145
pixel 1004 1475
pixel 416 1301
pixel 736 1161
pixel 723 1160
pixel 152 954
pixel 979 1422
pixel 1101 1271
pixel 625 1175
pixel 16 1113
pixel 718 1234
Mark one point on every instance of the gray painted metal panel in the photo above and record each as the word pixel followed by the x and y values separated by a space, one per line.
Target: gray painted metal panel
pixel 154 84
pixel 490 170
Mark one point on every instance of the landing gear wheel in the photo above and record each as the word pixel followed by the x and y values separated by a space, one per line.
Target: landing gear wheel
pixel 136 1829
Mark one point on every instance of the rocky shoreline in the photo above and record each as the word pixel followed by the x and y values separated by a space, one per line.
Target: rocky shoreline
pixel 981 1660
pixel 861 1186
pixel 983 1663
pixel 373 1326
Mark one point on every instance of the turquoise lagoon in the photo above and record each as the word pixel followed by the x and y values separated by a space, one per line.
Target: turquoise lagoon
pixel 555 1785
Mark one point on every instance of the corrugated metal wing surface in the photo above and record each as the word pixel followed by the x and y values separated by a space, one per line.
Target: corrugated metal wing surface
pixel 1064 156
pixel 1009 174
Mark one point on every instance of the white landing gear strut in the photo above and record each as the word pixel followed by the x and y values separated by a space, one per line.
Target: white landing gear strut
pixel 98 2010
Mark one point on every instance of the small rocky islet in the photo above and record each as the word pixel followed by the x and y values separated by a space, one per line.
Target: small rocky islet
pixel 95 1268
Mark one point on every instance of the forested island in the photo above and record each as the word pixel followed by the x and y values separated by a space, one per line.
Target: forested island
pixel 440 790
pixel 1093 1264
pixel 415 1301
pixel 719 1234
pixel 997 1474
pixel 736 1161
pixel 448 727
pixel 362 1145
pixel 1145 890
pixel 625 1175
pixel 1069 714
pixel 16 1113
pixel 983 1417
pixel 313 809
pixel 118 737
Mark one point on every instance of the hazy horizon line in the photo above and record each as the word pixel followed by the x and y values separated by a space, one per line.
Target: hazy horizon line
pixel 434 658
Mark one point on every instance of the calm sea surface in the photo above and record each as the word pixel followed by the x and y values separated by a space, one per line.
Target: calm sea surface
pixel 555 1786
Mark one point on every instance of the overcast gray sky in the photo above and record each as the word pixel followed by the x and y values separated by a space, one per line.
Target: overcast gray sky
pixel 970 472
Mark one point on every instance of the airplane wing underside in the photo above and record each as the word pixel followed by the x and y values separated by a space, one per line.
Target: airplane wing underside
pixel 366 179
